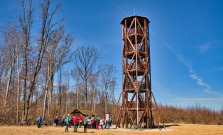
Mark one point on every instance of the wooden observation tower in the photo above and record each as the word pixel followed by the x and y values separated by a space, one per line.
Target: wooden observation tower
pixel 137 105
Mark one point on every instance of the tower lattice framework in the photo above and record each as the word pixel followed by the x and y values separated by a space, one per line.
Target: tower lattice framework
pixel 138 105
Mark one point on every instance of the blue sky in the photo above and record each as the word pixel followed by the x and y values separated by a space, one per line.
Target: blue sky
pixel 186 40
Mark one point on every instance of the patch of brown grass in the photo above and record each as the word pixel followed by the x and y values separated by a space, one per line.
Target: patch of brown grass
pixel 178 129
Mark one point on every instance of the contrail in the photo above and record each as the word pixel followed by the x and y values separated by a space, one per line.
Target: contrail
pixel 192 72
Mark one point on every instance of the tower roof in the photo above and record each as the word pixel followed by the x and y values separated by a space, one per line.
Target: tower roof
pixel 131 17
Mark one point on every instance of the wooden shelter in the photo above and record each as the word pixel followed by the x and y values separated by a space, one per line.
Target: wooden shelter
pixel 79 112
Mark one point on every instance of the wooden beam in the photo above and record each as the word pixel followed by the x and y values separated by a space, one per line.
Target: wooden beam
pixel 130 26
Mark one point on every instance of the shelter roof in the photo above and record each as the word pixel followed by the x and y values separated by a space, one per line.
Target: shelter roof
pixel 83 112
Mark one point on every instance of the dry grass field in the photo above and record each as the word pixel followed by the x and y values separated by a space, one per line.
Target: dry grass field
pixel 172 129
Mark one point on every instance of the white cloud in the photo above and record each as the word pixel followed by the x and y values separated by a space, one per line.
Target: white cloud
pixel 201 83
pixel 192 72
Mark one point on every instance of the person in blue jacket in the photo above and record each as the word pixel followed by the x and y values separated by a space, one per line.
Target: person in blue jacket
pixel 39 120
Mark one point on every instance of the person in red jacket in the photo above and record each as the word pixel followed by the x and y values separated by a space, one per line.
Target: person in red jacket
pixel 75 123
pixel 80 120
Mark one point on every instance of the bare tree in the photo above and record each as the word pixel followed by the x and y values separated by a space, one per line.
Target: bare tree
pixel 1 68
pixel 58 48
pixel 106 75
pixel 60 86
pixel 25 23
pixel 41 56
pixel 67 78
pixel 19 64
pixel 10 41
pixel 4 68
pixel 85 61
pixel 2 65
pixel 42 42
pixel 76 76
pixel 94 88
pixel 112 92
pixel 59 55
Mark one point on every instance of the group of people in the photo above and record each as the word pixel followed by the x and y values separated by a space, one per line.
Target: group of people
pixel 78 121
pixel 88 122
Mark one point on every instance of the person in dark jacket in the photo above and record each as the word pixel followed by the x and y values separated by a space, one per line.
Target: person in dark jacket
pixel 56 121
pixel 62 121
pixel 70 121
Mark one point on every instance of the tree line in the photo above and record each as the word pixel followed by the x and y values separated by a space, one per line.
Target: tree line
pixel 33 77
pixel 191 114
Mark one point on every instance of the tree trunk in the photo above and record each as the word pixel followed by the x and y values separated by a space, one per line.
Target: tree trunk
pixel 67 97
pixel 51 77
pixel 45 103
pixel 60 87
pixel 8 83
pixel 77 92
pixel 106 91
pixel 49 83
pixel 18 84
pixel 18 98
pixel 24 86
pixel 86 92
pixel 95 99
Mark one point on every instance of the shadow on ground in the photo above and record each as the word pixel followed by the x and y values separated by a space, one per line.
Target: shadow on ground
pixel 168 125
pixel 86 132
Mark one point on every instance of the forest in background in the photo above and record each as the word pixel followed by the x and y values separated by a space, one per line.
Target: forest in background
pixel 191 114
pixel 33 81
